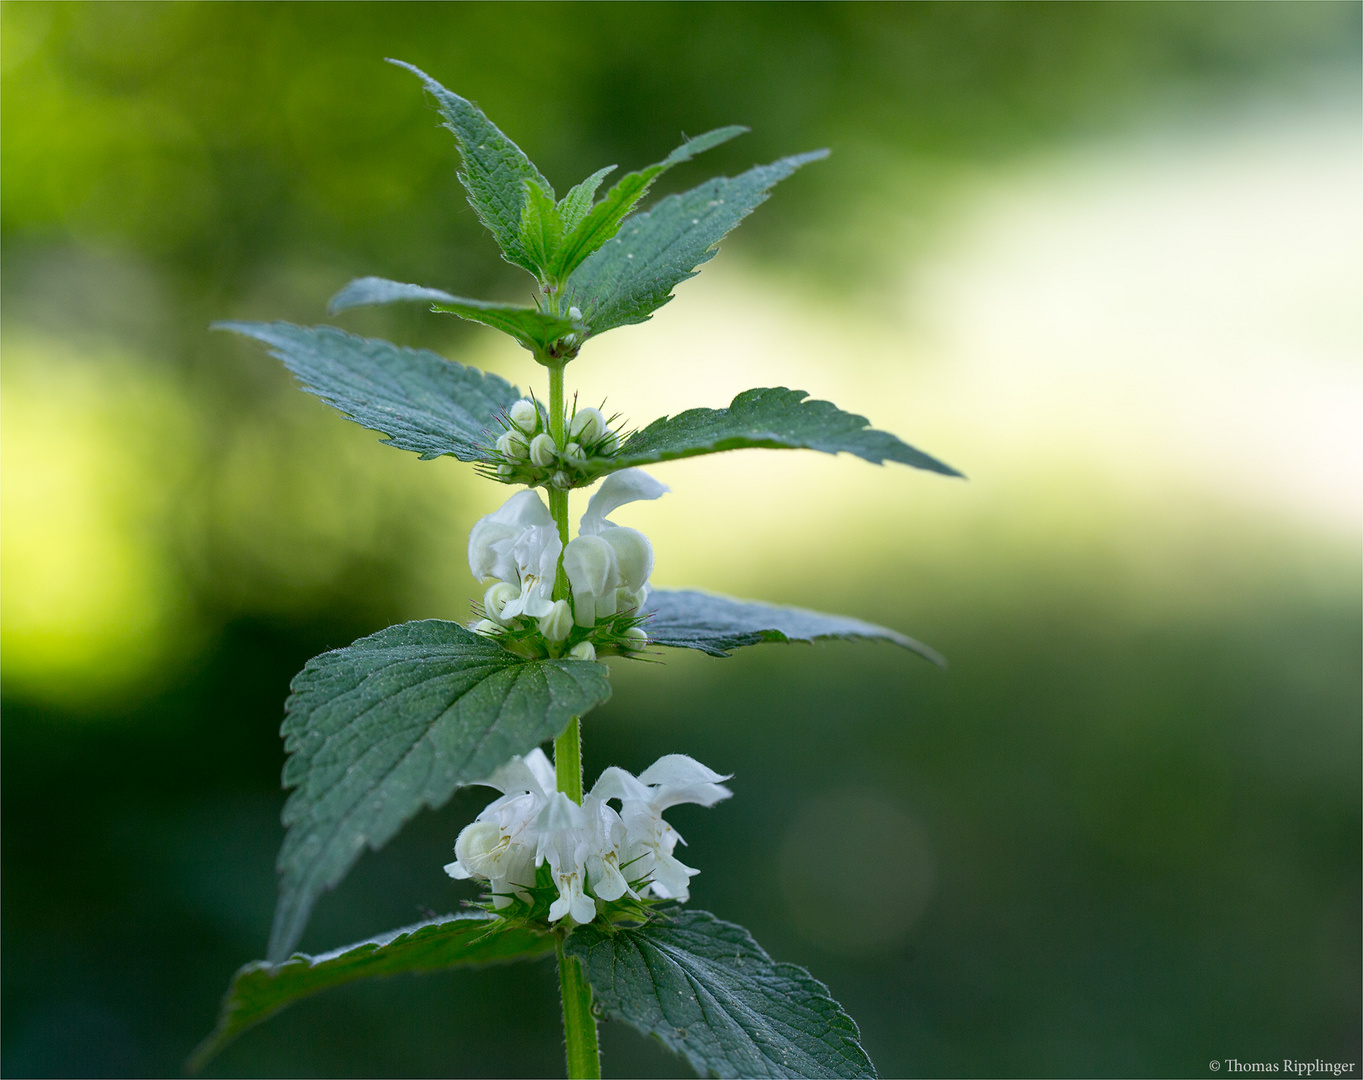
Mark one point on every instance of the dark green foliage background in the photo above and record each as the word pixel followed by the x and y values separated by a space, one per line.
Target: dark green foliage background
pixel 1147 832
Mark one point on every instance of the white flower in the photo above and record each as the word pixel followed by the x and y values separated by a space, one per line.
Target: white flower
pixel 518 544
pixel 593 850
pixel 606 840
pixel 500 844
pixel 670 780
pixel 564 842
pixel 607 565
pixel 590 565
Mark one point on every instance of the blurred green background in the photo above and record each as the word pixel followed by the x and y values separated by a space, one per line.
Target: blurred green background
pixel 1103 258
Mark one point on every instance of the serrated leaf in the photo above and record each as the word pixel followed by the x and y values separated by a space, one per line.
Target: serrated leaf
pixel 633 275
pixel 260 989
pixel 420 400
pixel 603 220
pixel 775 418
pixel 393 723
pixel 495 168
pixel 690 619
pixel 708 991
pixel 541 226
pixel 573 207
pixel 531 327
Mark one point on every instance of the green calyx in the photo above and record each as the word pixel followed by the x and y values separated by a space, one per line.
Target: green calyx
pixel 620 635
pixel 528 908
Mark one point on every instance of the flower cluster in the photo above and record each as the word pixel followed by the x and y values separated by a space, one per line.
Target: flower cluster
pixel 526 453
pixel 595 853
pixel 515 552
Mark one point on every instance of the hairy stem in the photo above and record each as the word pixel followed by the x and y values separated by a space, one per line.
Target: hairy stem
pixel 579 1025
pixel 558 499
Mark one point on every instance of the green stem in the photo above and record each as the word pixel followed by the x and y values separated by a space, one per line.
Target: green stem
pixel 556 418
pixel 558 499
pixel 579 1025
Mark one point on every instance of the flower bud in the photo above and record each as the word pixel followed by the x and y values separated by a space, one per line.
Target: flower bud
pixel 635 638
pixel 497 597
pixel 525 416
pixel 583 650
pixel 609 442
pixel 556 625
pixel 588 426
pixel 512 444
pixel 504 470
pixel 575 313
pixel 542 449
pixel 573 455
pixel 486 627
pixel 561 480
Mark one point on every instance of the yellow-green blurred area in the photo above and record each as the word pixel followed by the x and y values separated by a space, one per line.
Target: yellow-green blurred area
pixel 1105 259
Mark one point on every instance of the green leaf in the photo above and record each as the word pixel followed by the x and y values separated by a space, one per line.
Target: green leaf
pixel 541 226
pixel 393 723
pixel 690 619
pixel 420 400
pixel 495 168
pixel 603 221
pixel 531 327
pixel 573 207
pixel 633 275
pixel 775 418
pixel 710 992
pixel 261 989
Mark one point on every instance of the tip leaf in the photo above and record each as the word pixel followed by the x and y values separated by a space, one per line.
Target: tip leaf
pixel 495 168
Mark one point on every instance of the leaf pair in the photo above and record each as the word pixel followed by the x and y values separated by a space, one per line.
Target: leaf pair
pixel 433 406
pixel 567 244
pixel 558 237
pixel 702 986
pixel 396 721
